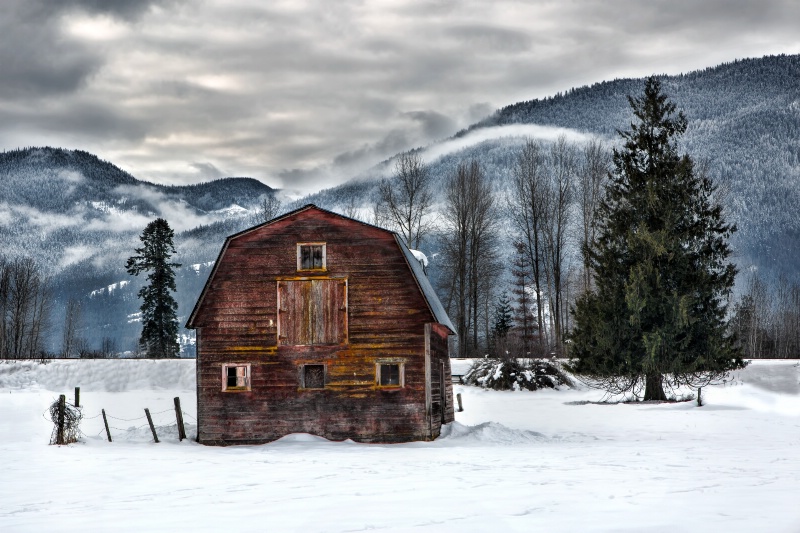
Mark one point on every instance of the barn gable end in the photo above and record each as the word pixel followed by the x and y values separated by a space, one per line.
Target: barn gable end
pixel 339 334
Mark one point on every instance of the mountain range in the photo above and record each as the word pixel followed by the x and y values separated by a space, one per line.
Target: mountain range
pixel 79 216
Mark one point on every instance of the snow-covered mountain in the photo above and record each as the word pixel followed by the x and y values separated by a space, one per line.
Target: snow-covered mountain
pixel 80 217
pixel 744 122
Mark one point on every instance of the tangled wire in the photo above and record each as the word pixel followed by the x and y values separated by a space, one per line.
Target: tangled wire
pixel 68 431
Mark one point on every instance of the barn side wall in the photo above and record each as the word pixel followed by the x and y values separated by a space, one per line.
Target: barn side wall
pixel 442 411
pixel 386 317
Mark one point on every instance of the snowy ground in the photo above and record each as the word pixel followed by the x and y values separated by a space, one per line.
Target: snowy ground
pixel 517 461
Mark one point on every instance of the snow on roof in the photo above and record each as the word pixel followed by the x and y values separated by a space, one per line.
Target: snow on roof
pixel 421 257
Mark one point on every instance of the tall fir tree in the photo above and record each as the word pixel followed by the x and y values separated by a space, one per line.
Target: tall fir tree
pixel 159 318
pixel 502 323
pixel 660 259
pixel 503 320
pixel 523 315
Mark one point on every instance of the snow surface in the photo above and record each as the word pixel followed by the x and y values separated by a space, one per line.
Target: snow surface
pixel 110 289
pixel 513 461
pixel 421 257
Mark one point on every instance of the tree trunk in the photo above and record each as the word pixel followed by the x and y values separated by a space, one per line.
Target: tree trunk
pixel 654 388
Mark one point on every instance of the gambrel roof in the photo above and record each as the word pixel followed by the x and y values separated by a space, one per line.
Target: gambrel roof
pixel 426 289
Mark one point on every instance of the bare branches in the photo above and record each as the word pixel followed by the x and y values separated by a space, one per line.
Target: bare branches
pixel 592 178
pixel 268 208
pixel 541 201
pixel 470 250
pixel 528 212
pixel 72 322
pixel 405 200
pixel 24 308
pixel 563 165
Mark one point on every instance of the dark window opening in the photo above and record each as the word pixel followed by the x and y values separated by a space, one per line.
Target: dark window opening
pixel 390 375
pixel 314 376
pixel 312 257
pixel 232 381
pixel 235 377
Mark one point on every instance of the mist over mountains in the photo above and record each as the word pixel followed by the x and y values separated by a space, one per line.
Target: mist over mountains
pixel 744 127
pixel 79 217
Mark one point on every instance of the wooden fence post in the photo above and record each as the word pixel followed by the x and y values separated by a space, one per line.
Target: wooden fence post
pixel 150 421
pixel 460 407
pixel 179 417
pixel 62 405
pixel 77 396
pixel 105 421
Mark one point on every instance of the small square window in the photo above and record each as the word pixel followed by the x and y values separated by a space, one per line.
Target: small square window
pixel 390 374
pixel 235 377
pixel 313 376
pixel 311 256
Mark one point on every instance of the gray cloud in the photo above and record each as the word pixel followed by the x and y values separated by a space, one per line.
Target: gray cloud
pixel 36 60
pixel 478 112
pixel 305 95
pixel 207 171
pixel 125 9
pixel 488 39
pixel 297 180
pixel 434 125
pixel 39 58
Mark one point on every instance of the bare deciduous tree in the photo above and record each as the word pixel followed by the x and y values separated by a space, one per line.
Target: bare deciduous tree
pixel 563 169
pixel 405 200
pixel 72 322
pixel 24 308
pixel 470 250
pixel 592 177
pixel 351 208
pixel 528 202
pixel 268 208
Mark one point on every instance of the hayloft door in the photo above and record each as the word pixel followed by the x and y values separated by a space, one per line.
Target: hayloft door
pixel 312 312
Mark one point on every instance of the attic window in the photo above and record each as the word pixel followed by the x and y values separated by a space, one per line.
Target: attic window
pixel 390 374
pixel 235 377
pixel 313 376
pixel 311 256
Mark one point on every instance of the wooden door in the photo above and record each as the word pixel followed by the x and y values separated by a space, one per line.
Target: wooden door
pixel 312 312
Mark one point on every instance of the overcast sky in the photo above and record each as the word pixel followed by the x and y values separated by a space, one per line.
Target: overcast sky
pixel 302 95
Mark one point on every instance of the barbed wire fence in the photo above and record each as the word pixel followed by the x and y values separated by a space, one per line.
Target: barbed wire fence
pixel 67 417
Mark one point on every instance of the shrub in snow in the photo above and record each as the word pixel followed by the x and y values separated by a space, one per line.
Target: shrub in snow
pixel 516 374
pixel 66 419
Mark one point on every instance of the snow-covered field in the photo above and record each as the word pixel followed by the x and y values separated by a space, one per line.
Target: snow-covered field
pixel 516 461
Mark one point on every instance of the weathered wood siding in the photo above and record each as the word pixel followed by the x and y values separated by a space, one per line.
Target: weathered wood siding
pixel 442 411
pixel 364 308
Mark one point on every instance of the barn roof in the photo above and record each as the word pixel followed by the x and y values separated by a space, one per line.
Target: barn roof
pixel 425 287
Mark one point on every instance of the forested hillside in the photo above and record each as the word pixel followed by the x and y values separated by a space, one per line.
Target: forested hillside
pixel 744 125
pixel 79 217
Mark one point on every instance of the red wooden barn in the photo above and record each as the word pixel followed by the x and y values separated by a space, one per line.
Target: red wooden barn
pixel 318 323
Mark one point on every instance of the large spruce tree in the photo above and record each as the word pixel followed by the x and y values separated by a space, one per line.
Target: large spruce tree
pixel 660 259
pixel 159 320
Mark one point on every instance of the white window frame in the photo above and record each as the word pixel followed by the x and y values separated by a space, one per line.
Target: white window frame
pixel 242 375
pixel 324 257
pixel 402 371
